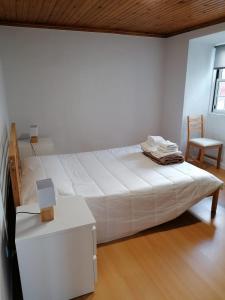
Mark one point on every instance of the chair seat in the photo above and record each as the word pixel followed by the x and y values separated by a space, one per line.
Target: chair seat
pixel 204 142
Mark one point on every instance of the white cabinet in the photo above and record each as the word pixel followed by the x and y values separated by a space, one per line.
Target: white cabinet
pixel 44 146
pixel 57 260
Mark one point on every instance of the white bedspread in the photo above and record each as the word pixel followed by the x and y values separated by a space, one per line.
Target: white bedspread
pixel 126 191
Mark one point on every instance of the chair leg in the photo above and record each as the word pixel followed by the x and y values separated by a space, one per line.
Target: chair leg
pixel 201 160
pixel 199 154
pixel 187 152
pixel 219 156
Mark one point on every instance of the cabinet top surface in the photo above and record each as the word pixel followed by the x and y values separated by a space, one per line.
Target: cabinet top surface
pixel 70 213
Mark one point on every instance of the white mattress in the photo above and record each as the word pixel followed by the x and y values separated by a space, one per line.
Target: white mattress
pixel 126 191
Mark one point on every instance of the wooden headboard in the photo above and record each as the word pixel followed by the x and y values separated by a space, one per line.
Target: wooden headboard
pixel 14 165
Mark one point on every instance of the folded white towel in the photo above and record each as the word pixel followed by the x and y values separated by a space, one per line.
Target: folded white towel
pixel 169 149
pixel 155 140
pixel 160 154
pixel 147 148
pixel 156 151
pixel 168 145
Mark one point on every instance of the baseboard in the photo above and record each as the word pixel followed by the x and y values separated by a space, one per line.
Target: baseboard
pixel 222 164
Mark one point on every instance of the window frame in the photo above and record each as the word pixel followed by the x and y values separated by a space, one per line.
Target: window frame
pixel 217 79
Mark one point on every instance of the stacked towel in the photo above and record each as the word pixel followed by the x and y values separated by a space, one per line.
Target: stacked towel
pixel 168 146
pixel 154 140
pixel 162 151
pixel 166 160
pixel 159 154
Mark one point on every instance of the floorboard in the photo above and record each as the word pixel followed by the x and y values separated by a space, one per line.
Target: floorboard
pixel 182 259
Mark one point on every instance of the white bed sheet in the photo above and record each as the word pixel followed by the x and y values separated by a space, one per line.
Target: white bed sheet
pixel 126 191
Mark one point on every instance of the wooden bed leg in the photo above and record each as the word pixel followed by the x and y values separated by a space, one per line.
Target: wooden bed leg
pixel 215 197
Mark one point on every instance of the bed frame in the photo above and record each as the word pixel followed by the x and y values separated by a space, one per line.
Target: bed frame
pixel 14 165
pixel 15 172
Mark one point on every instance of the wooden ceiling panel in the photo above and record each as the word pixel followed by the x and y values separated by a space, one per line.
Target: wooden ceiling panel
pixel 141 17
pixel 83 10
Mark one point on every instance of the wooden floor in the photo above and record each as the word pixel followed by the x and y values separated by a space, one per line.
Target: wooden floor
pixel 183 259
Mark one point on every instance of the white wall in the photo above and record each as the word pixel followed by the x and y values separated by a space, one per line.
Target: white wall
pixel 72 84
pixel 198 82
pixel 199 90
pixel 176 49
pixel 188 60
pixel 85 90
pixel 174 84
pixel 3 122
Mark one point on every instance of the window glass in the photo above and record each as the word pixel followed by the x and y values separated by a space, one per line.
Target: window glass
pixel 223 73
pixel 219 91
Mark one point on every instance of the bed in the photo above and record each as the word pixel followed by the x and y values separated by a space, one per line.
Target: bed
pixel 125 190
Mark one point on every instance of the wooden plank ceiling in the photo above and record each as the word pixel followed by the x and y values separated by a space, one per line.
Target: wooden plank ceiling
pixel 161 18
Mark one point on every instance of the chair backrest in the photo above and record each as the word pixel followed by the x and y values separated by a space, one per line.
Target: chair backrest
pixel 195 124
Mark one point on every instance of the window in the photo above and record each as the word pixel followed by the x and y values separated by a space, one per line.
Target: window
pixel 219 80
pixel 219 91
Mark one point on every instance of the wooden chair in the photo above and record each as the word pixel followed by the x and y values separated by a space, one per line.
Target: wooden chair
pixel 195 124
